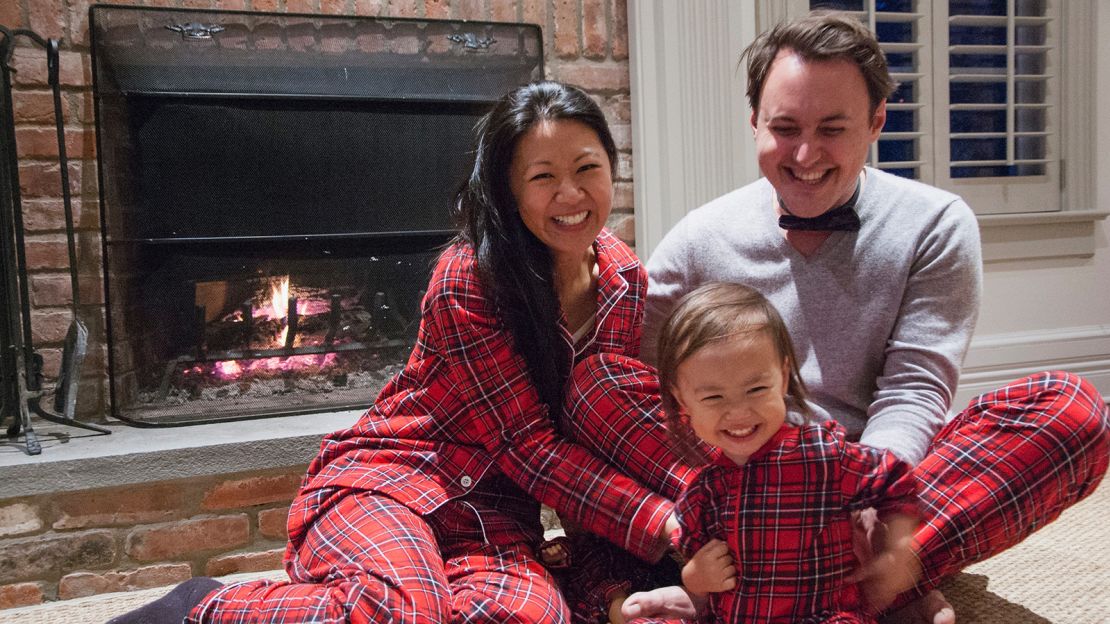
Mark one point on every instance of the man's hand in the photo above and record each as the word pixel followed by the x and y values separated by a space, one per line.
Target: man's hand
pixel 710 570
pixel 889 565
pixel 671 602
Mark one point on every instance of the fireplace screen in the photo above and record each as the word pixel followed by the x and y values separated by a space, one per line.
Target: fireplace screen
pixel 274 191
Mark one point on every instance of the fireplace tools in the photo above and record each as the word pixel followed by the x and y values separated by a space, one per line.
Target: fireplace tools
pixel 21 365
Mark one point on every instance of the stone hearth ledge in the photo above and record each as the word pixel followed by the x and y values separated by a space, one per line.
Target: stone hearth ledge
pixel 74 459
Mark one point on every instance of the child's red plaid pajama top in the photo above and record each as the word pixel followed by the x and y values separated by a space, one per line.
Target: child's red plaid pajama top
pixel 460 430
pixel 786 516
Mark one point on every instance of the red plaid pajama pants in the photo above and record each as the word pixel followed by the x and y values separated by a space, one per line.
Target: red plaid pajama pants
pixel 368 558
pixel 1007 465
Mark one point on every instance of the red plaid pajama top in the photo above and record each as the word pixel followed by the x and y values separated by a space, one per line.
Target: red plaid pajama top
pixel 785 516
pixel 465 407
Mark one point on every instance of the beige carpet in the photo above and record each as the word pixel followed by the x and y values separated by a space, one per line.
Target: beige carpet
pixel 1060 575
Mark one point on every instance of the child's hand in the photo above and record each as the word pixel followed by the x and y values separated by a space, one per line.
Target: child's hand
pixel 893 567
pixel 710 570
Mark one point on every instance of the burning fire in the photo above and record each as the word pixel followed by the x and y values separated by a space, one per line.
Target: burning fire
pixel 275 308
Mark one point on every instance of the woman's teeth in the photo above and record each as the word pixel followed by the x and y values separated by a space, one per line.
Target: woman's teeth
pixel 573 219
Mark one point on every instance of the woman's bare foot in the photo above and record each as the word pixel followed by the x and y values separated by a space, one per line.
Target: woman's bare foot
pixel 664 602
pixel 935 608
pixel 555 553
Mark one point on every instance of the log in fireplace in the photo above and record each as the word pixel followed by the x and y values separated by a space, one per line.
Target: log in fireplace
pixel 274 189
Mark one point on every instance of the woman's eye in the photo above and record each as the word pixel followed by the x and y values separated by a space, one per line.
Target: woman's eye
pixel 756 389
pixel 588 167
pixel 711 398
pixel 540 176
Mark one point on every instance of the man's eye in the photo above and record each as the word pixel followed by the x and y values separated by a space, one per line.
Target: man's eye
pixel 784 130
pixel 832 131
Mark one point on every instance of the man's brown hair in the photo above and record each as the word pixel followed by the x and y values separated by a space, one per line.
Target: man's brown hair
pixel 820 36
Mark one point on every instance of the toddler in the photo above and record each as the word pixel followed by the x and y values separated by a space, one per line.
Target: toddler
pixel 768 523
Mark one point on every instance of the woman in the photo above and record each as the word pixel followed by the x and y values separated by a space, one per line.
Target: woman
pixel 427 509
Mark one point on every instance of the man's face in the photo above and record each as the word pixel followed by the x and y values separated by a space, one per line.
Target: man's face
pixel 812 131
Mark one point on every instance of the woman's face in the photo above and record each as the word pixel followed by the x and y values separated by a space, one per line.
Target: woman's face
pixel 563 185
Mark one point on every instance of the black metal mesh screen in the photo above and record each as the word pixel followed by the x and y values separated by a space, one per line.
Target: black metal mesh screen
pixel 239 150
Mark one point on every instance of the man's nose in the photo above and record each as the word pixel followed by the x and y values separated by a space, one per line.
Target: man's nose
pixel 807 152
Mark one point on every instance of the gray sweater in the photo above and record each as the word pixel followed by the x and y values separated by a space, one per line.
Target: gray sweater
pixel 880 318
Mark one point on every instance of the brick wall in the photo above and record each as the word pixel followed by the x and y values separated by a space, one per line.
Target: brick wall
pixel 586 44
pixel 76 544
pixel 60 546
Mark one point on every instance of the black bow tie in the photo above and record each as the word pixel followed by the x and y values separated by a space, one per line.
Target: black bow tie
pixel 843 218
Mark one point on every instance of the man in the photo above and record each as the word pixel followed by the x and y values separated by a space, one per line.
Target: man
pixel 878 279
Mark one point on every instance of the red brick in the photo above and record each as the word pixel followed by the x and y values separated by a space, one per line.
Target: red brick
pixel 404 8
pixel 30 66
pixel 622 196
pixel 43 214
pixel 50 290
pixel 19 519
pixel 623 225
pixel 273 523
pixel 81 584
pixel 198 4
pixel 79 22
pixel 624 168
pixel 470 10
pixel 33 106
pixel 122 506
pixel 47 17
pixel 178 540
pixel 618 31
pixel 595 34
pixel 245 562
pixel 618 108
pixel 535 12
pixel 503 10
pixel 42 179
pixel 566 28
pixel 49 327
pixel 86 112
pixel 51 362
pixel 622 135
pixel 333 7
pixel 10 14
pixel 264 5
pixel 50 555
pixel 43 143
pixel 596 76
pixel 437 9
pixel 371 7
pixel 301 6
pixel 253 491
pixel 20 595
pixel 46 251
pixel 231 5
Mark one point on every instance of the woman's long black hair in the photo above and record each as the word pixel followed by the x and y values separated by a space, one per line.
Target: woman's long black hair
pixel 514 267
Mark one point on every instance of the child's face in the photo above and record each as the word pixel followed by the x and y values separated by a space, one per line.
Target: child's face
pixel 734 392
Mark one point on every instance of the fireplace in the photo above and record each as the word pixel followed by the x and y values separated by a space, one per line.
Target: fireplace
pixel 274 190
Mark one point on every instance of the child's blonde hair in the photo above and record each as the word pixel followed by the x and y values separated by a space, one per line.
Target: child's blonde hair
pixel 714 312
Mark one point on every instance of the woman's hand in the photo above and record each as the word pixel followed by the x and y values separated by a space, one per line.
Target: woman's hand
pixel 710 570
